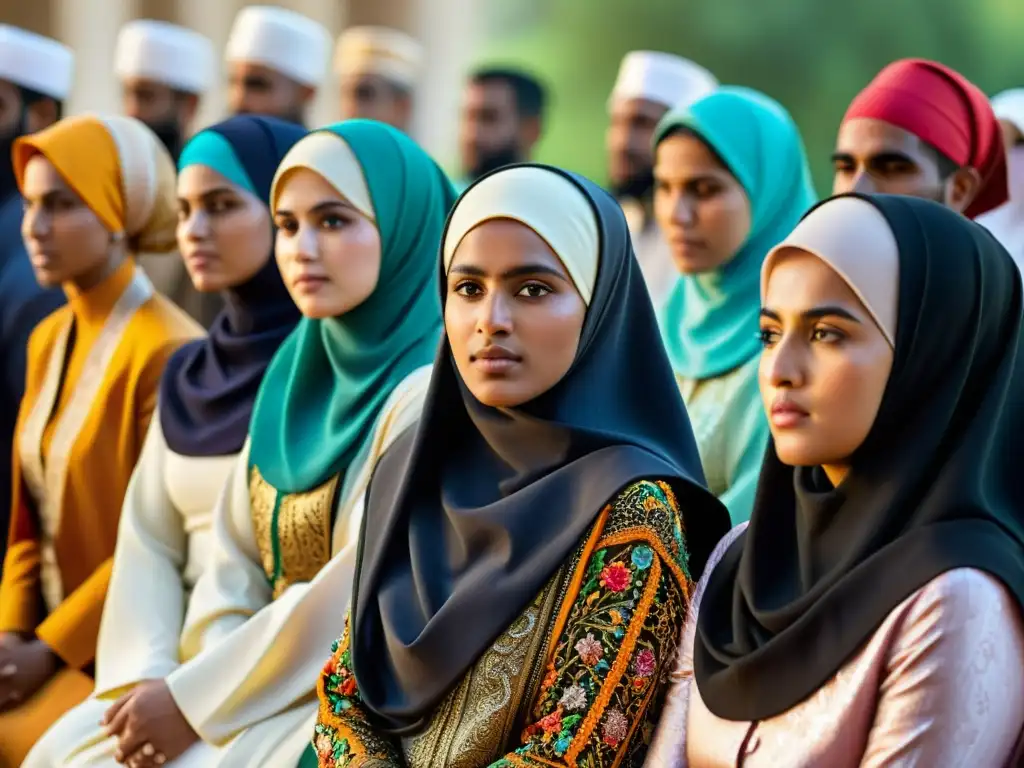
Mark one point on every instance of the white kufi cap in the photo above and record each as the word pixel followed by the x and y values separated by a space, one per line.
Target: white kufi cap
pixel 663 78
pixel 165 53
pixel 1009 106
pixel 36 62
pixel 292 44
pixel 382 51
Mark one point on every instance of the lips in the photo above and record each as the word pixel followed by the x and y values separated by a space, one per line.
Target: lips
pixel 785 414
pixel 495 359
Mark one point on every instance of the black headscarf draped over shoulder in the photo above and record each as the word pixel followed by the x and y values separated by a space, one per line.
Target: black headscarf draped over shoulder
pixel 470 515
pixel 935 486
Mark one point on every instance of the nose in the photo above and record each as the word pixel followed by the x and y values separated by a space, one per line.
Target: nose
pixel 495 315
pixel 864 183
pixel 35 224
pixel 683 212
pixel 784 364
pixel 195 227
pixel 307 245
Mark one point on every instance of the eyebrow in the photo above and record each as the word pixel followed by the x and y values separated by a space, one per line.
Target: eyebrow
pixel 326 205
pixel 886 155
pixel 815 313
pixel 206 193
pixel 520 271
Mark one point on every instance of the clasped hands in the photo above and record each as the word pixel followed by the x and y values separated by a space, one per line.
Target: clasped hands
pixel 149 727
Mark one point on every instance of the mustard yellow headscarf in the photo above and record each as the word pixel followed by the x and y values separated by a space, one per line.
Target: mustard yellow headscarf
pixel 120 170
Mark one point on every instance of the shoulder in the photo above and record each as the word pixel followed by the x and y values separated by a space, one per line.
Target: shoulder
pixel 648 510
pixel 46 333
pixel 160 315
pixel 404 405
pixel 158 329
pixel 961 598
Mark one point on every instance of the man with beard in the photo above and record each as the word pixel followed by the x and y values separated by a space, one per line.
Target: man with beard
pixel 650 83
pixel 501 120
pixel 164 71
pixel 36 75
pixel 921 129
pixel 378 68
pixel 277 59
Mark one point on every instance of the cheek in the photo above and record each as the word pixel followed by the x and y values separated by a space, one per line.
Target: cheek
pixel 848 393
pixel 551 337
pixel 728 223
pixel 244 246
pixel 352 258
pixel 80 235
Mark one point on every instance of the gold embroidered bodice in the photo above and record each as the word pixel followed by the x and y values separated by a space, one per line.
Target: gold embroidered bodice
pixel 293 531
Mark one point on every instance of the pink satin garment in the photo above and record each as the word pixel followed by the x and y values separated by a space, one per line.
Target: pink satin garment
pixel 939 685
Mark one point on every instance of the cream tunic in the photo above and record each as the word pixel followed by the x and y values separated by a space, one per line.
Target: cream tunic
pixel 940 684
pixel 248 687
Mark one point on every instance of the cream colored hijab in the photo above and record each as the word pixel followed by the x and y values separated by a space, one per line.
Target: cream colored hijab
pixel 854 239
pixel 546 202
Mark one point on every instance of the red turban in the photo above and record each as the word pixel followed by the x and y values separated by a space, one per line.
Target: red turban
pixel 946 110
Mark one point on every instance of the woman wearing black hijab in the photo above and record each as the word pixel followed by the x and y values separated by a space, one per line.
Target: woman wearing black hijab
pixel 526 553
pixel 871 612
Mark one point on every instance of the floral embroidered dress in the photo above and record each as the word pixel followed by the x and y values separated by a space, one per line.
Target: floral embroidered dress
pixel 577 679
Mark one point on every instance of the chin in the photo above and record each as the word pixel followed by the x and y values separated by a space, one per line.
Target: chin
pixel 796 451
pixel 691 263
pixel 497 394
pixel 204 284
pixel 48 279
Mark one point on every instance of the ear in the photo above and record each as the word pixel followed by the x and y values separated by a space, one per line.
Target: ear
pixel 188 107
pixel 41 114
pixel 961 189
pixel 530 130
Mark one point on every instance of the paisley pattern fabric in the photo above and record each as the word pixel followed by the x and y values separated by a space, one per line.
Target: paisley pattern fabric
pixel 577 679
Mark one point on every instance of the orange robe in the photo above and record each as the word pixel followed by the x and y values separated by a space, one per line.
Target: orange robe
pixel 94 369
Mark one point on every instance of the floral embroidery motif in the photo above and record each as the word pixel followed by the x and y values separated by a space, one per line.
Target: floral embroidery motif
pixel 643 557
pixel 616 728
pixel 606 668
pixel 618 642
pixel 590 650
pixel 644 663
pixel 616 577
pixel 574 699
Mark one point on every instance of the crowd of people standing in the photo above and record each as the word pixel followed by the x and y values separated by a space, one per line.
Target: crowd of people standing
pixel 312 455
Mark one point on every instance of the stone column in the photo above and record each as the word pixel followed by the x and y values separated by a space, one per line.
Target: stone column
pixel 89 28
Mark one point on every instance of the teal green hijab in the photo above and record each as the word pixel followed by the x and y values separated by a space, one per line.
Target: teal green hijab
pixel 327 384
pixel 709 323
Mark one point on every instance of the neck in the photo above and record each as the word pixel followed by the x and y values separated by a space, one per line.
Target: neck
pixel 93 277
pixel 835 473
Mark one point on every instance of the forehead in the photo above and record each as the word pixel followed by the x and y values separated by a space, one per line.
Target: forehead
pixel 250 70
pixel 500 244
pixel 637 110
pixel 145 85
pixel 491 93
pixel 865 137
pixel 799 281
pixel 198 179
pixel 684 152
pixel 303 188
pixel 41 177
